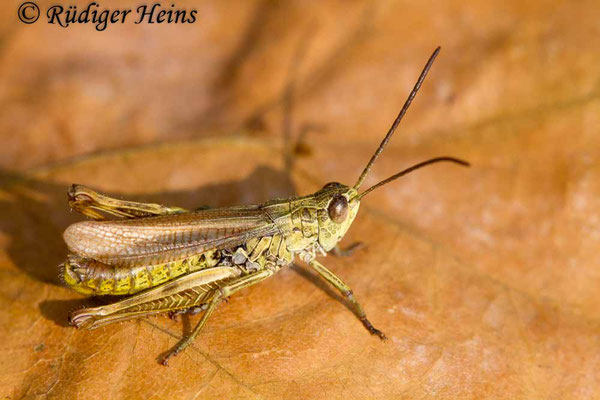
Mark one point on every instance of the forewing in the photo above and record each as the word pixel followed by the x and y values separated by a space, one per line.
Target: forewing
pixel 166 238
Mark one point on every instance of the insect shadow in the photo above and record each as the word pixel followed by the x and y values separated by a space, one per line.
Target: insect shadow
pixel 36 215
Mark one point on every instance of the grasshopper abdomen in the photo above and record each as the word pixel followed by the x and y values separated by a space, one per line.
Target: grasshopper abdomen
pixel 92 277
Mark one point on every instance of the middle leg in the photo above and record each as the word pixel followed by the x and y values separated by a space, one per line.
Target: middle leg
pixel 220 294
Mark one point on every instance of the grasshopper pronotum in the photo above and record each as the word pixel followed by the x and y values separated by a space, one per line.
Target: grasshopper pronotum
pixel 172 260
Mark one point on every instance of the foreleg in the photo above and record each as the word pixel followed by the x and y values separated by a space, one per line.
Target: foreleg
pixel 346 291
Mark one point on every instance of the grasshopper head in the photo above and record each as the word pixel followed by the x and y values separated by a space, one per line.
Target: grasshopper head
pixel 338 204
pixel 337 208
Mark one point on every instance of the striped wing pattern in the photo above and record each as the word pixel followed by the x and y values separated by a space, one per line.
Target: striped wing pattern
pixel 166 238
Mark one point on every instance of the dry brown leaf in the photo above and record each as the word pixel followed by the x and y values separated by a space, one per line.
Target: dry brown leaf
pixel 485 280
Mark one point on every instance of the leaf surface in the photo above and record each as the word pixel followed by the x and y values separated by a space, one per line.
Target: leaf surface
pixel 484 279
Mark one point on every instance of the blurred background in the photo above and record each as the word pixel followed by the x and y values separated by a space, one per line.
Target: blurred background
pixel 485 279
pixel 72 91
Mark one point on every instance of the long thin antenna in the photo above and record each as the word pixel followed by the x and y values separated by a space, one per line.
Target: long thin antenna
pixel 411 169
pixel 409 100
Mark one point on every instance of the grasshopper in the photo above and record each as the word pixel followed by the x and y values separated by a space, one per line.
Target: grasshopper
pixel 171 260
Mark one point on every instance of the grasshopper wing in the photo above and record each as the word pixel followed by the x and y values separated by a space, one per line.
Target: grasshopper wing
pixel 166 238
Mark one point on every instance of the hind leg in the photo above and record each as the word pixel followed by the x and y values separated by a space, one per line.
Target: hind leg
pixel 89 203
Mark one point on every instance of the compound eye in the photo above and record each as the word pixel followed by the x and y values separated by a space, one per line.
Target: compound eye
pixel 338 209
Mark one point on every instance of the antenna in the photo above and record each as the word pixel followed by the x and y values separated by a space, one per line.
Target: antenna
pixel 411 169
pixel 409 100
